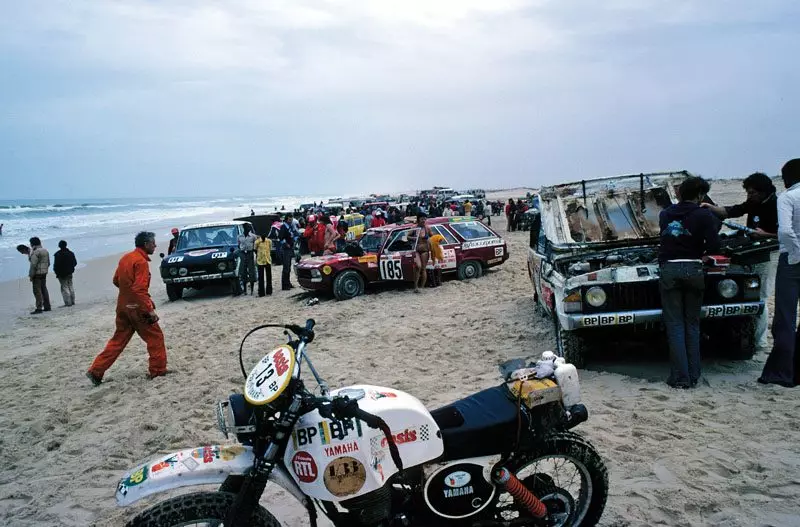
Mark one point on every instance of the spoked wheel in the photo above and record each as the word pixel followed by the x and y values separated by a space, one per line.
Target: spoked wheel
pixel 198 509
pixel 567 474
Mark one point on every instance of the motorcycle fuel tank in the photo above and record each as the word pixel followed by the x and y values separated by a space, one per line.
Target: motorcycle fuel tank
pixel 340 460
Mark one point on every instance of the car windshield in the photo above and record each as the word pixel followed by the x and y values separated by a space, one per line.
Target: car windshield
pixel 207 236
pixel 372 241
pixel 471 230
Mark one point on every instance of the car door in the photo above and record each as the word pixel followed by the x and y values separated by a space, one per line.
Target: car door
pixel 396 261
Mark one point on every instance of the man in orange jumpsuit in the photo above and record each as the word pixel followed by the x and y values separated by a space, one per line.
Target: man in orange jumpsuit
pixel 135 312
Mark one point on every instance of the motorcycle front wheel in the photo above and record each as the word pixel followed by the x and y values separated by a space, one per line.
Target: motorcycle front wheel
pixel 567 474
pixel 206 509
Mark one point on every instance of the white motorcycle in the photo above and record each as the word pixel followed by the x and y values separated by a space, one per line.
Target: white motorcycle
pixel 373 456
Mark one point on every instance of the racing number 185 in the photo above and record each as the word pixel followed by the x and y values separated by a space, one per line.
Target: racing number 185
pixel 391 270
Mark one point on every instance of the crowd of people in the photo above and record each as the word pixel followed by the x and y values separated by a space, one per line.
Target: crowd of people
pixel 690 233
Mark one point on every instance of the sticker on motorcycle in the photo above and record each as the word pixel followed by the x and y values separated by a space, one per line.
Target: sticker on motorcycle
pixel 270 377
pixel 327 432
pixel 391 270
pixel 457 479
pixel 342 449
pixel 304 467
pixel 344 476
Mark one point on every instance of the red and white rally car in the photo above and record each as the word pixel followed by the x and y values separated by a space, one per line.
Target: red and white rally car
pixel 469 247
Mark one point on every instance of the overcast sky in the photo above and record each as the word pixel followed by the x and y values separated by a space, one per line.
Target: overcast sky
pixel 177 97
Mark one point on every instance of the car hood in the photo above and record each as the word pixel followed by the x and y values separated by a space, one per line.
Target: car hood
pixel 319 261
pixel 620 210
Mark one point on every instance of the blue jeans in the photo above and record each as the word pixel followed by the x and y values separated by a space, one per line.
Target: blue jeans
pixel 682 285
pixel 782 361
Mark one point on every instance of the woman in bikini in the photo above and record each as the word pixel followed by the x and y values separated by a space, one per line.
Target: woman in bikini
pixel 423 253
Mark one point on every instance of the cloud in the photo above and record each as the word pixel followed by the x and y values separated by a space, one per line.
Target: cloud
pixel 391 94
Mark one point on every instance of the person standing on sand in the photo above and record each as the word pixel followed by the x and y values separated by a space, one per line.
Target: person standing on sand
pixel 64 263
pixel 136 313
pixel 783 364
pixel 264 261
pixel 286 240
pixel 39 266
pixel 688 231
pixel 247 265
pixel 423 252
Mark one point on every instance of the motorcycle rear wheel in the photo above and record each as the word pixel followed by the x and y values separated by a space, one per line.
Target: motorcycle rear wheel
pixel 550 472
pixel 207 509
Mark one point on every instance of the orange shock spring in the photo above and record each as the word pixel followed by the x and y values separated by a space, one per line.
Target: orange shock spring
pixel 503 477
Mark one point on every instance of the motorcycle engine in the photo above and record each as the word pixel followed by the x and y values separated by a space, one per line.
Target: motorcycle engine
pixel 458 490
pixel 370 509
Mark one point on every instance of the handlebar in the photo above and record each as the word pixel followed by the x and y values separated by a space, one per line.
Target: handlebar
pixel 344 408
pixel 306 335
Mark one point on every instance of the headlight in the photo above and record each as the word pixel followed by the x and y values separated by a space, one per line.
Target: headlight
pixel 315 273
pixel 183 271
pixel 595 296
pixel 173 271
pixel 222 266
pixel 727 288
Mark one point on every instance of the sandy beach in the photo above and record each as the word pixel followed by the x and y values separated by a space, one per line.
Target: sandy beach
pixel 724 454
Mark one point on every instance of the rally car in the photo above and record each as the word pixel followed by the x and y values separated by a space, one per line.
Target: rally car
pixel 386 254
pixel 593 261
pixel 206 253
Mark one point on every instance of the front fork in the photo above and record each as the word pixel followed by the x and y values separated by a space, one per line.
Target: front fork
pixel 256 480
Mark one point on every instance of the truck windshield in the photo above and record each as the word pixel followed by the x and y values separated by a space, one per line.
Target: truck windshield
pixel 372 241
pixel 207 236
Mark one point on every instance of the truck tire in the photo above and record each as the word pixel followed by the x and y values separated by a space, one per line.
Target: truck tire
pixel 735 337
pixel 348 284
pixel 469 269
pixel 174 292
pixel 570 345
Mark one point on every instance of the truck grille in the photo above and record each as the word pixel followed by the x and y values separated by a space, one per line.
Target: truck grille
pixel 303 273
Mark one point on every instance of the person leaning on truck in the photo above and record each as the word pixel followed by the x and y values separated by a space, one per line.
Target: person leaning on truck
pixel 688 231
pixel 761 208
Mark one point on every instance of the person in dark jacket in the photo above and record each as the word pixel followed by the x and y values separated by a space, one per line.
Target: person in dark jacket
pixel 64 263
pixel 688 231
pixel 286 241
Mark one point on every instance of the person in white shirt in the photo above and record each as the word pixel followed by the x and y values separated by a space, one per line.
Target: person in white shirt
pixel 783 363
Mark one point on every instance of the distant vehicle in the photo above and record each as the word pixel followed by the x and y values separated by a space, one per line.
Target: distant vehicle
pixel 462 197
pixel 374 205
pixel 593 261
pixel 355 226
pixel 386 254
pixel 206 253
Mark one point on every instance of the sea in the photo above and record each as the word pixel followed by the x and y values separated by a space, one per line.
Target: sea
pixel 94 228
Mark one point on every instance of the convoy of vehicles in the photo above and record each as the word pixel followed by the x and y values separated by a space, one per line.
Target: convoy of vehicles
pixel 387 255
pixel 593 261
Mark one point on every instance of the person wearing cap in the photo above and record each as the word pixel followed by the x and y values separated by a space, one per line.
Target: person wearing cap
pixel 173 242
pixel 379 220
pixel 64 263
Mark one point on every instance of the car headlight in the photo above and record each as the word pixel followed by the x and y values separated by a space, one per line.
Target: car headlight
pixel 727 288
pixel 173 271
pixel 183 271
pixel 595 296
pixel 222 266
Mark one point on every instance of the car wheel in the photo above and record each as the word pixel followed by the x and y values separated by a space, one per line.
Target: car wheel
pixel 570 345
pixel 348 284
pixel 174 292
pixel 469 270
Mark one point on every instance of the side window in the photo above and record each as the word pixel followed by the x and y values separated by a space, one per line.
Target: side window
pixel 471 230
pixel 448 236
pixel 403 240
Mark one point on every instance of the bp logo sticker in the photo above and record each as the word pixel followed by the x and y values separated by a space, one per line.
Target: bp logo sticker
pixel 344 476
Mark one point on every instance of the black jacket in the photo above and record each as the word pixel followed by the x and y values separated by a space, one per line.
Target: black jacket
pixel 688 231
pixel 64 263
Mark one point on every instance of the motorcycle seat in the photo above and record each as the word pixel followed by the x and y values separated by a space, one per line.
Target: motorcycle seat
pixel 482 424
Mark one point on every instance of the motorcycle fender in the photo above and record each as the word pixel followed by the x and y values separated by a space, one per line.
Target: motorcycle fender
pixel 195 466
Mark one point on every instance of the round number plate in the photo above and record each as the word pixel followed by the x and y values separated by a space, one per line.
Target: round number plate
pixel 270 377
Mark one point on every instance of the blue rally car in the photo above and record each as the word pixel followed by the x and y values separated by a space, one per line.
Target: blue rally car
pixel 206 253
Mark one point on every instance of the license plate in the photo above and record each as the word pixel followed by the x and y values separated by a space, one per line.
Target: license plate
pixel 610 319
